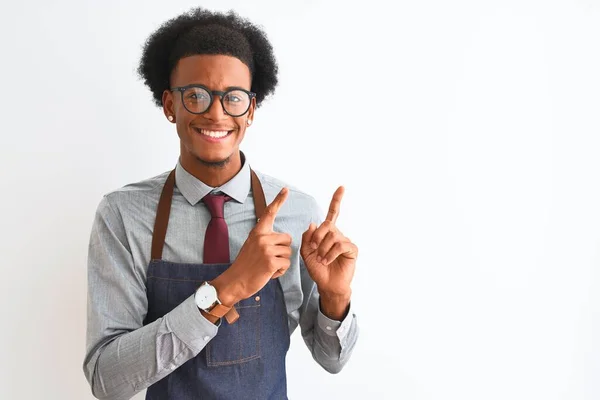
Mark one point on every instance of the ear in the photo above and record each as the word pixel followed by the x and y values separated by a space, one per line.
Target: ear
pixel 168 105
pixel 251 110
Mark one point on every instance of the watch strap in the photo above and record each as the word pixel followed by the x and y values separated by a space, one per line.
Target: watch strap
pixel 220 311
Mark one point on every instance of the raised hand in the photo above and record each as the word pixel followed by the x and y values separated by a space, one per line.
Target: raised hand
pixel 329 256
pixel 265 255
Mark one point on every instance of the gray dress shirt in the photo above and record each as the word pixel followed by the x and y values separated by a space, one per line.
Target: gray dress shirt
pixel 124 357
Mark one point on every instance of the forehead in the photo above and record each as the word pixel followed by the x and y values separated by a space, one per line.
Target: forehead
pixel 217 72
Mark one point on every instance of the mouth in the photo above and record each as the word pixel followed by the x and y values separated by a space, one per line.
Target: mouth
pixel 213 136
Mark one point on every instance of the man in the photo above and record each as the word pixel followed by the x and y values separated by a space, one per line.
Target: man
pixel 195 284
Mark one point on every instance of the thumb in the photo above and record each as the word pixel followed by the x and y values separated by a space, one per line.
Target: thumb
pixel 307 237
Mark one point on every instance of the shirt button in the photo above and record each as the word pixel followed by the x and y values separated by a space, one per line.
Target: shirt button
pixel 206 338
pixel 328 328
pixel 257 298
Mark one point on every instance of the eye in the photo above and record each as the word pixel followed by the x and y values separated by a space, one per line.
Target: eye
pixel 232 98
pixel 197 96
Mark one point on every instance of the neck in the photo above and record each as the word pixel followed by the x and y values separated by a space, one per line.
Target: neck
pixel 213 175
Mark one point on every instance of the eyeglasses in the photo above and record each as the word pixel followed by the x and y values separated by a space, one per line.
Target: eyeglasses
pixel 197 99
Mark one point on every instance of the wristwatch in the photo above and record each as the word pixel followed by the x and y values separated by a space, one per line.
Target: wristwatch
pixel 207 300
pixel 206 297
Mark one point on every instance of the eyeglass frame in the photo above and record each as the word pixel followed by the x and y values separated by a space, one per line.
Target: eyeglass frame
pixel 212 94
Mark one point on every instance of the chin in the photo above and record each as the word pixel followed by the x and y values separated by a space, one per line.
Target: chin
pixel 215 160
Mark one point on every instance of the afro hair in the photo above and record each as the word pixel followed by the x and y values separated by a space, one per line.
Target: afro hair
pixel 200 31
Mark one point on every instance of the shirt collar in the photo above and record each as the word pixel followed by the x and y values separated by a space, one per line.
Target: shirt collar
pixel 193 189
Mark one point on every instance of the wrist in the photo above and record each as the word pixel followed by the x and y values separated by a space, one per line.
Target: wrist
pixel 337 296
pixel 227 290
pixel 335 306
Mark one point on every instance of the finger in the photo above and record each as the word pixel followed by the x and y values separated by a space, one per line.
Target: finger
pixel 277 274
pixel 265 224
pixel 334 206
pixel 319 234
pixel 329 240
pixel 268 240
pixel 281 251
pixel 283 239
pixel 307 236
pixel 282 265
pixel 274 239
pixel 344 249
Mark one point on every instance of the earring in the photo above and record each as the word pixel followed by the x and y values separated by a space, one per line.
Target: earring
pixel 249 122
pixel 170 118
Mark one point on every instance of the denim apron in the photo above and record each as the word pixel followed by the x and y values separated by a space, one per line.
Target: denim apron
pixel 245 360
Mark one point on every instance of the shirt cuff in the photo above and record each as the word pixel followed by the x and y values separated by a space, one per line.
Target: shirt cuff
pixel 335 328
pixel 190 326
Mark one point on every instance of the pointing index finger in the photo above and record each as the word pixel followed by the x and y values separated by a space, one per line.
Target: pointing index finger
pixel 334 206
pixel 268 218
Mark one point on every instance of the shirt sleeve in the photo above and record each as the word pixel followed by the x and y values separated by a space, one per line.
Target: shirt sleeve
pixel 330 342
pixel 123 356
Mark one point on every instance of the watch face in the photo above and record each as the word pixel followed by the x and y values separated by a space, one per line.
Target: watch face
pixel 206 296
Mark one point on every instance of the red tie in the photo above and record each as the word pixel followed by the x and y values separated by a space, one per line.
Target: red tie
pixel 216 240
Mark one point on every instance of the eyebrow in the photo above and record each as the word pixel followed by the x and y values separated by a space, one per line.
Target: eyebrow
pixel 226 89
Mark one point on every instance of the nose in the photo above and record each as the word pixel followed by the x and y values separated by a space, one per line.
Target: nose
pixel 215 112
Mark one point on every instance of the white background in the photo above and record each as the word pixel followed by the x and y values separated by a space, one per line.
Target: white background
pixel 466 134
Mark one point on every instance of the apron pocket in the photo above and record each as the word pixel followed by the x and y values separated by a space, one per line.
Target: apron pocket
pixel 234 344
pixel 238 342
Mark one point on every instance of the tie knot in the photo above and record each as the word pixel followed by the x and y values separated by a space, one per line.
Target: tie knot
pixel 215 203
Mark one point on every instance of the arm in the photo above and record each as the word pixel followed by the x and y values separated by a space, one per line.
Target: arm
pixel 327 265
pixel 330 341
pixel 124 357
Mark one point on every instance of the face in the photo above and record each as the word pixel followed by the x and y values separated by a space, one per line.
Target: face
pixel 212 138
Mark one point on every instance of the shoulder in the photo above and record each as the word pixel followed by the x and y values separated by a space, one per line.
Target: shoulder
pixel 133 197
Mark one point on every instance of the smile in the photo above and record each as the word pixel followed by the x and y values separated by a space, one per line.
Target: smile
pixel 214 135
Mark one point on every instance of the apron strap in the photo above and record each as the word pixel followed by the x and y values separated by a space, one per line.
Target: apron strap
pixel 164 209
pixel 260 204
pixel 162 217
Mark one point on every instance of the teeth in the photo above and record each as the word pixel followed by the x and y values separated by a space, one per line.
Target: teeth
pixel 214 134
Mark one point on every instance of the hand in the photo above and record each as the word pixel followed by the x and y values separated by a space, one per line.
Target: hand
pixel 329 256
pixel 265 255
